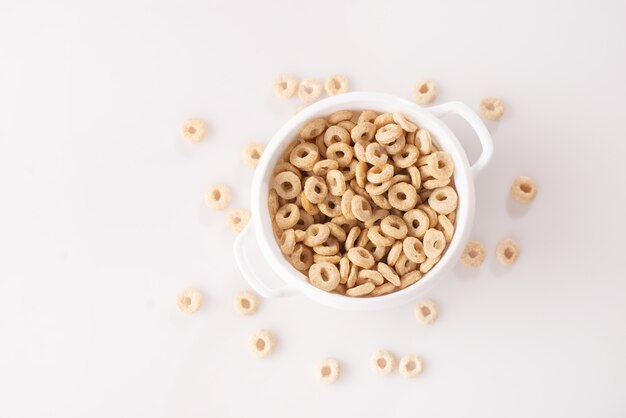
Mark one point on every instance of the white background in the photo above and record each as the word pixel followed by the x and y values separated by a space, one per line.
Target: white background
pixel 102 218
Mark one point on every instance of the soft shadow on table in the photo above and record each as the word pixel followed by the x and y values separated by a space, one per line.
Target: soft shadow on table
pixel 516 209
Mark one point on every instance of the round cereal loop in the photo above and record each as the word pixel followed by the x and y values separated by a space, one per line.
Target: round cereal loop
pixel 394 226
pixel 380 201
pixel 304 156
pixel 415 177
pixel 432 215
pixel 411 366
pixel 441 165
pixel 287 216
pixel 388 273
pixel 414 250
pixel 426 311
pixel 361 208
pixel 404 123
pixel 388 133
pixel 193 129
pixel 336 183
pixel 217 197
pixel 378 189
pixel 361 257
pixel 443 200
pixel 287 241
pixel 313 128
pixel 507 251
pixel 315 189
pixel 261 343
pixel 383 362
pixel 361 290
pixel 309 90
pixel 336 84
pixel 429 264
pixel 336 231
pixel 417 222
pixel 301 258
pixel 251 154
pixel 189 300
pixel 394 253
pixel 380 174
pixel 359 150
pixel 324 276
pixel 491 107
pixel 285 86
pixel 396 146
pixel 344 270
pixel 245 303
pixel 309 207
pixel 383 119
pixel 346 204
pixel 348 125
pixel 446 226
pixel 321 168
pixel 328 248
pixel 434 243
pixel 237 219
pixel 409 278
pixel 371 275
pixel 340 152
pixel 339 116
pixel 376 155
pixel 404 265
pixel 523 189
pixel 473 254
pixel 383 289
pixel 316 234
pixel 375 235
pixel 351 237
pixel 423 141
pixel 331 206
pixel 407 157
pixel 327 370
pixel 367 116
pixel 364 131
pixel 424 91
pixel 287 185
pixel 402 196
pixel 336 134
pixel 286 166
pixel 352 276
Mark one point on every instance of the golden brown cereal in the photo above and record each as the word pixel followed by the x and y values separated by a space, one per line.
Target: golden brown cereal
pixel 363 239
pixel 367 116
pixel 445 225
pixel 370 275
pixel 245 303
pixel 316 234
pixel 443 200
pixel 434 243
pixel 361 208
pixel 416 178
pixel 403 196
pixel 404 123
pixel 251 154
pixel 404 265
pixel 315 189
pixel 313 128
pixel 523 189
pixel 336 84
pixel 189 300
pixel 261 343
pixel 388 133
pixel 272 202
pixel 287 216
pixel 394 226
pixel 411 366
pixel 383 362
pixel 407 157
pixel 394 253
pixel 287 241
pixel 324 276
pixel 426 311
pixel 332 259
pixel 383 119
pixel 361 290
pixel 305 220
pixel 410 278
pixel 375 235
pixel 336 134
pixel 351 237
pixel 309 207
pixel 473 255
pixel 194 129
pixel 375 154
pixel 507 251
pixel 414 250
pixel 423 141
pixel 363 132
pixel 300 235
pixel 380 201
pixel 352 276
pixel 346 204
pixel 217 197
pixel 388 273
pixel 441 165
pixel 304 156
pixel 349 172
pixel 327 370
pixel 321 168
pixel 285 86
pixel 237 219
pixel 339 116
pixel 309 90
pixel 432 215
pixel 328 248
pixel 348 125
pixel 435 183
pixel 331 206
pixel 396 146
pixel 361 257
pixel 360 174
pixel 344 270
pixel 336 183
pixel 424 91
pixel 301 258
pixel 429 264
pixel 340 152
pixel 380 174
pixel 383 289
pixel 491 107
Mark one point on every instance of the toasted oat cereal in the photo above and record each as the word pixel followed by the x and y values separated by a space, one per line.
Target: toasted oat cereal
pixel 336 84
pixel 251 154
pixel 424 91
pixel 245 303
pixel 324 275
pixel 261 343
pixel 491 107
pixel 193 129
pixel 237 219
pixel 327 370
pixel 309 90
pixel 217 197
pixel 507 251
pixel 426 311
pixel 523 189
pixel 473 255
pixel 285 86
pixel 411 366
pixel 383 362
pixel 361 290
pixel 189 300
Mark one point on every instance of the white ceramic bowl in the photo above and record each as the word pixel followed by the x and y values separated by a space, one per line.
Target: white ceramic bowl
pixel 256 251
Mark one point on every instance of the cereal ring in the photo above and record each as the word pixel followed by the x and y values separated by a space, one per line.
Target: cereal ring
pixel 349 172
pixel 336 134
pixel 287 185
pixel 383 119
pixel 426 311
pixel 287 216
pixel 359 150
pixel 443 200
pixel 376 155
pixel 272 202
pixel 367 116
pixel 424 91
pixel 245 303
pixel 364 131
pixel 361 208
pixel 435 183
pixel 404 265
pixel 217 197
pixel 523 189
pixel 327 370
pixel 309 90
pixel 383 362
pixel 336 84
pixel 432 215
pixel 330 247
pixel 378 215
pixel 388 273
pixel 380 174
pixel 189 300
pixel 409 278
pixel 407 157
pixel 321 168
pixel 315 189
pixel 394 253
pixel 402 196
pixel 313 128
pixel 441 165
pixel 388 133
pixel 336 183
pixel 344 270
pixel 429 264
pixel 309 207
pixel 304 156
pixel 346 204
pixel 410 138
pixel 396 146
pixel 445 226
pixel 344 223
pixel 423 141
pixel 379 251
pixel 361 290
pixel 375 235
pixel 339 116
pixel 411 366
pixel 434 243
pixel 473 254
pixel 351 237
pixel 321 146
pixel 331 206
pixel 383 289
pixel 394 226
pixel 348 125
pixel 193 129
pixel 363 239
pixel 372 276
pixel 360 174
pixel 340 152
pixel 286 166
pixel 377 189
pixel 251 154
pixel 415 177
pixel 301 258
pixel 324 276
pixel 316 234
pixel 380 201
pixel 352 276
pixel 332 259
pixel 285 86
pixel 361 257
pixel 261 343
pixel 417 222
pixel 414 250
pixel 507 251
pixel 491 107
pixel 404 123
pixel 237 219
pixel 287 241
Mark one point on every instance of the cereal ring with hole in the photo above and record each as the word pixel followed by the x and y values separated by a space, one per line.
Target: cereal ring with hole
pixel 245 303
pixel 379 252
pixel 417 222
pixel 345 223
pixel 189 300
pixel 416 178
pixel 380 201
pixel 377 215
pixel 434 243
pixel 348 125
pixel 339 116
pixel 287 241
pixel 364 131
pixel 327 370
pixel 473 254
pixel 251 154
pixel 383 362
pixel 194 129
pixel 336 134
pixel 383 119
pixel 375 235
pixel 332 259
pixel 346 204
pixel 523 189
pixel 351 237
pixel 309 207
pixel 272 202
pixel 376 155
pixel 237 219
pixel 361 257
pixel 445 226
pixel 309 90
pixel 424 91
pixel 443 200
pixel 304 156
pixel 414 250
pixel 404 123
pixel 368 116
pixel 287 216
pixel 491 107
pixel 429 264
pixel 441 165
pixel 383 289
pixel 305 220
pixel 388 273
pixel 377 189
pixel 286 166
pixel 380 174
pixel 426 311
pixel 340 152
pixel 316 234
pixel 261 343
pixel 407 157
pixel 331 207
pixel 411 366
pixel 363 239
pixel 435 183
pixel 352 276
pixel 359 150
pixel 388 133
pixel 315 189
pixel 432 215
pixel 301 258
pixel 336 183
pixel 217 197
pixel 322 167
pixel 361 208
pixel 370 275
pixel 336 84
pixel 404 265
pixel 423 141
pixel 344 270
pixel 329 247
pixel 402 196
pixel 394 253
pixel 361 290
pixel 285 86
pixel 324 276
pixel 410 278
pixel 349 172
pixel 394 227
pixel 396 146
pixel 361 173
pixel 507 251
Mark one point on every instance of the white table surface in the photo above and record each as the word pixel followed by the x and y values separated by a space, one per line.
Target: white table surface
pixel 103 219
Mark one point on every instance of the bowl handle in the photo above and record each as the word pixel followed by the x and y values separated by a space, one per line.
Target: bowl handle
pixel 462 110
pixel 253 265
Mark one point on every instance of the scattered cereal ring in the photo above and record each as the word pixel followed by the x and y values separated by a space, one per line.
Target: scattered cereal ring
pixel 411 366
pixel 217 197
pixel 251 154
pixel 327 370
pixel 324 276
pixel 336 84
pixel 237 219
pixel 361 290
pixel 261 343
pixel 245 303
pixel 189 300
pixel 523 189
pixel 285 86
pixel 426 311
pixel 424 91
pixel 507 251
pixel 383 362
pixel 491 107
pixel 473 254
pixel 309 90
pixel 194 129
